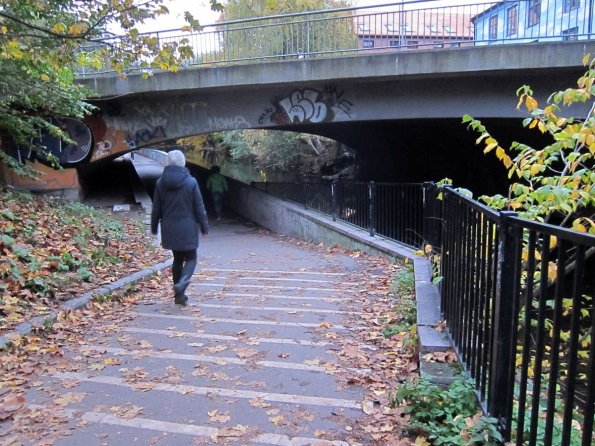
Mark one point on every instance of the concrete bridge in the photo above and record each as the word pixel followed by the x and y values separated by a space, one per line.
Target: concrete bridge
pixel 344 98
pixel 324 96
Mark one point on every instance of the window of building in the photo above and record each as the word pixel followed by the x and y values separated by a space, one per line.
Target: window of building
pixel 368 43
pixel 512 21
pixel 570 34
pixel 363 27
pixel 569 5
pixel 394 43
pixel 413 44
pixel 493 31
pixel 534 12
pixel 436 44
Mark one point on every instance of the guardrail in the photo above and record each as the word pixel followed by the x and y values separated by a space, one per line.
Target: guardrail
pixel 518 299
pixel 517 295
pixel 395 211
pixel 402 26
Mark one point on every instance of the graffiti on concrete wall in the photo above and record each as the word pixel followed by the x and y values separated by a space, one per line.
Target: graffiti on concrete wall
pixel 308 106
pixel 47 147
pixel 151 125
pixel 68 153
pixel 122 127
pixel 110 139
pixel 230 123
pixel 145 135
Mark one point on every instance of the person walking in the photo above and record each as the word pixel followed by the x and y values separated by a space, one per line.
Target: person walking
pixel 179 207
pixel 217 185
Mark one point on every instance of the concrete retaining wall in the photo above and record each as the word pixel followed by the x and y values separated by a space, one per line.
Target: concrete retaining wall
pixel 293 220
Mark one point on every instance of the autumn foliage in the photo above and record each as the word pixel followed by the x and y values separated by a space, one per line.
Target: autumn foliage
pixel 50 251
pixel 555 183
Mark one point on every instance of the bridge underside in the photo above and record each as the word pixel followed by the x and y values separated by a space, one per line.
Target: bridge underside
pixel 400 112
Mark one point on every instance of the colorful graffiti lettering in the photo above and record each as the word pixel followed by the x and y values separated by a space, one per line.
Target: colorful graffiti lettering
pixel 308 106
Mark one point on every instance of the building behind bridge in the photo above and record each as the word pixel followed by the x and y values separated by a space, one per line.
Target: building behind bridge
pixel 506 21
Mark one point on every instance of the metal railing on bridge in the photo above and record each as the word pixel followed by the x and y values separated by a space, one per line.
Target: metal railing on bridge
pixel 402 26
pixel 517 295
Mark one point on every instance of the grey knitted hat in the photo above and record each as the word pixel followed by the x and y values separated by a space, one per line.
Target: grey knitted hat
pixel 176 158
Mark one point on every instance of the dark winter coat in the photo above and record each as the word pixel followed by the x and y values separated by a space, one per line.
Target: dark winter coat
pixel 178 204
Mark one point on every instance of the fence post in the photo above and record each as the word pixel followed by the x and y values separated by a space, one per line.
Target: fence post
pixel 227 45
pixel 430 216
pixel 502 359
pixel 371 208
pixel 308 49
pixel 334 200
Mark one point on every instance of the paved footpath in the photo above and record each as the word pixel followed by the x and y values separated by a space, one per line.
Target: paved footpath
pixel 251 360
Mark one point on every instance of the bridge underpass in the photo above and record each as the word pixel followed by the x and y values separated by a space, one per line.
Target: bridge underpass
pixel 396 110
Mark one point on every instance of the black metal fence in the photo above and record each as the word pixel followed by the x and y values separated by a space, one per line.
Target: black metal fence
pixel 517 295
pixel 518 299
pixel 396 211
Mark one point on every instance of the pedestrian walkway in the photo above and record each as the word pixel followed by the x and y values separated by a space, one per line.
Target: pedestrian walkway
pixel 273 348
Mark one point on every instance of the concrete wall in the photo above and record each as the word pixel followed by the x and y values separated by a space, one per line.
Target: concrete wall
pixel 293 220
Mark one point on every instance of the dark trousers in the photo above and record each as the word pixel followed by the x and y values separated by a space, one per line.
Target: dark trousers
pixel 182 270
pixel 217 198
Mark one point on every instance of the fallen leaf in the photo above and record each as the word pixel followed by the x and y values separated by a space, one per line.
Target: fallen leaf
pixel 127 412
pixel 9 405
pixel 70 397
pixel 276 420
pixel 217 417
pixel 257 402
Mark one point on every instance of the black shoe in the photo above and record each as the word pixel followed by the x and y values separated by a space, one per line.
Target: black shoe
pixel 180 287
pixel 181 300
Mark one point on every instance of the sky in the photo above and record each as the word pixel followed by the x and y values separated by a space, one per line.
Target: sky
pixel 202 11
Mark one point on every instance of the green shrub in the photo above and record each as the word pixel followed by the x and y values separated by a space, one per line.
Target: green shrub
pixel 447 416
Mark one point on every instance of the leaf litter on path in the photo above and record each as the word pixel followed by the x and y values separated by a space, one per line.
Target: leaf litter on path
pixel 364 357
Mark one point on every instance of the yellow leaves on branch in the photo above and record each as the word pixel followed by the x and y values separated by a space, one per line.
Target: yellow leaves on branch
pixel 527 99
pixel 492 144
pixel 503 156
pixel 78 29
pixel 530 103
pixel 73 30
pixel 535 169
pixel 59 28
pixel 559 177
pixel 11 50
pixel 584 224
pixel 586 136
